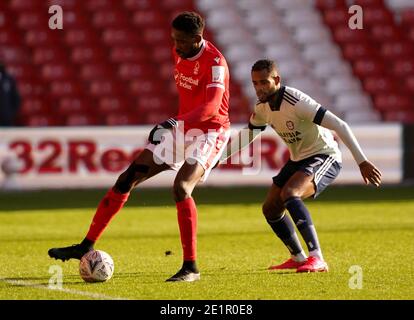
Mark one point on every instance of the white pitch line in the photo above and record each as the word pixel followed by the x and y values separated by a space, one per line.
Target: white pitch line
pixel 22 283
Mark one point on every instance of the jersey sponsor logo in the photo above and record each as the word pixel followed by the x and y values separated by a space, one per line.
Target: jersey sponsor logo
pixel 290 125
pixel 218 73
pixel 290 137
pixel 186 82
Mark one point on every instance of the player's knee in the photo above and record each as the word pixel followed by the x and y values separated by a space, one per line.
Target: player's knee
pixel 272 210
pixel 289 192
pixel 182 190
pixel 131 177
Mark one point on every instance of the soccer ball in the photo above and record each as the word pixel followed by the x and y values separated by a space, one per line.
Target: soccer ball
pixel 96 266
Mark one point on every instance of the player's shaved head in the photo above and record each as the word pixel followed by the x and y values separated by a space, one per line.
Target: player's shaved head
pixel 266 64
pixel 189 22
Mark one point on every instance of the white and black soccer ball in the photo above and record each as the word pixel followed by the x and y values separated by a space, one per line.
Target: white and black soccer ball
pixel 96 266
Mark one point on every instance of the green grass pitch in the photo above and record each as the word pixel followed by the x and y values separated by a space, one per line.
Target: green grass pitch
pixel 372 229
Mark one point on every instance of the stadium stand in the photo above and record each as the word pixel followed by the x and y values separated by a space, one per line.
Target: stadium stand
pixel 111 63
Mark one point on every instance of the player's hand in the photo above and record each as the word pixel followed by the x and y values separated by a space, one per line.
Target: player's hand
pixel 156 132
pixel 370 173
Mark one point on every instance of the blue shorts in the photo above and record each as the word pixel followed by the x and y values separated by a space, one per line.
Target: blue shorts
pixel 324 168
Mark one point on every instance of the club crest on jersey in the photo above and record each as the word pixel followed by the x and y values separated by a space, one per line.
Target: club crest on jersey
pixel 217 60
pixel 196 68
pixel 290 125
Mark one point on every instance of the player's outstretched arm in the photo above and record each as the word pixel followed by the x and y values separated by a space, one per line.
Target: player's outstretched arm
pixel 370 173
pixel 238 142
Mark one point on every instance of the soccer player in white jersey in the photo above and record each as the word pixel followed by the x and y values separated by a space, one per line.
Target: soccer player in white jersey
pixel 315 161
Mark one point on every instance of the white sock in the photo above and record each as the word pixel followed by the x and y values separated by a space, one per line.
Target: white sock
pixel 299 257
pixel 316 253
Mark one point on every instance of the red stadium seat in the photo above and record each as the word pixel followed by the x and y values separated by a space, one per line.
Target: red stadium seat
pixel 109 18
pixel 131 71
pixel 87 54
pixel 41 120
pixel 43 55
pixel 407 17
pixel 66 4
pixel 370 3
pixel 114 104
pixel 74 19
pixel 409 84
pixel 403 68
pixel 96 71
pixel 31 87
pixel 397 50
pixel 375 85
pixel 20 5
pixel 129 54
pixel 157 35
pixel 32 20
pixel 14 55
pixel 99 88
pixel 377 15
pixel 329 4
pixel 178 5
pixel 94 5
pixel 385 32
pixel 336 16
pixel 82 119
pixel 42 37
pixel 120 37
pixel 355 51
pixel 9 37
pixel 146 86
pixel 162 53
pixel 140 4
pixel 22 71
pixel 69 105
pixel 64 88
pixel 34 105
pixel 121 119
pixel 57 71
pixel 148 19
pixel 393 102
pixel 399 116
pixel 81 36
pixel 343 34
pixel 368 67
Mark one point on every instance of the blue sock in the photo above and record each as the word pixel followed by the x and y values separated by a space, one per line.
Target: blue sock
pixel 303 221
pixel 284 229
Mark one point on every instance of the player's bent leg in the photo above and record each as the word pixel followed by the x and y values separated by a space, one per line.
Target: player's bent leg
pixel 273 210
pixel 298 187
pixel 187 178
pixel 142 168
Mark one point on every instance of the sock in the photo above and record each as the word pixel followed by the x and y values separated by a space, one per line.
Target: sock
pixel 107 209
pixel 187 222
pixel 190 265
pixel 303 221
pixel 87 244
pixel 284 229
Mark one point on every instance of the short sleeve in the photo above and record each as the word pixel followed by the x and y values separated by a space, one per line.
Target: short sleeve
pixel 309 109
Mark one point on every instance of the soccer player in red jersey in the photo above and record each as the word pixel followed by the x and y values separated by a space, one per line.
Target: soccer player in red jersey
pixel 190 143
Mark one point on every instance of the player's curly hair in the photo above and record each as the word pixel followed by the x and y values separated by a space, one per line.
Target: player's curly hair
pixel 189 22
pixel 265 64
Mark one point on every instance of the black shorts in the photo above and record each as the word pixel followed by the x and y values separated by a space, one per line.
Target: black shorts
pixel 324 168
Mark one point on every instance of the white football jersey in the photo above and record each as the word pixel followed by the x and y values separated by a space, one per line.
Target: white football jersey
pixel 296 118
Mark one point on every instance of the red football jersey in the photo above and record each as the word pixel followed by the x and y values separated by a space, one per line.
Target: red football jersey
pixel 194 77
